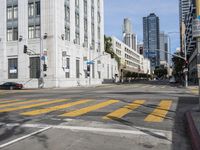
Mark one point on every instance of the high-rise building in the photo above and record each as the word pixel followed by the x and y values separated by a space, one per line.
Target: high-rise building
pixel 51 40
pixel 151 40
pixel 184 6
pixel 129 37
pixel 164 49
pixel 191 46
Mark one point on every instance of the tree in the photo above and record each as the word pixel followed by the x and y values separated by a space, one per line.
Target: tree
pixel 160 72
pixel 178 66
pixel 108 49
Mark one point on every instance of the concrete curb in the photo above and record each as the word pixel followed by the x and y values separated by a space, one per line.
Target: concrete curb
pixel 192 131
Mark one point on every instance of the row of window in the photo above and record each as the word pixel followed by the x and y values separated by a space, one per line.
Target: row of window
pixel 33 10
pixel 131 53
pixel 35 68
pixel 131 58
pixel 131 64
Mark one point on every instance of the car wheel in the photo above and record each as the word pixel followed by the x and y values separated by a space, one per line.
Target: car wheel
pixel 11 88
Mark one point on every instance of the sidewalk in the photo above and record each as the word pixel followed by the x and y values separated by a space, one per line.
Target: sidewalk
pixel 193 128
pixel 194 89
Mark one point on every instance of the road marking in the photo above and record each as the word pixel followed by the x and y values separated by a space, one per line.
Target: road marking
pixel 160 112
pixel 137 131
pixel 9 101
pixel 146 86
pixel 54 108
pixel 163 87
pixel 153 86
pixel 33 105
pixel 24 137
pixel 20 103
pixel 124 110
pixel 89 108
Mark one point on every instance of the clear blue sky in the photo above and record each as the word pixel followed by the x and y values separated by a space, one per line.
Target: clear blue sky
pixel 166 10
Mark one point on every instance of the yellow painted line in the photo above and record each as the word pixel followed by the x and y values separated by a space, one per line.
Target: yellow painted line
pixel 50 109
pixel 89 109
pixel 10 101
pixel 124 110
pixel 160 112
pixel 20 103
pixel 33 105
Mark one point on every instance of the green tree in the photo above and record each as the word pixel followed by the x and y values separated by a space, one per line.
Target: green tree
pixel 108 49
pixel 178 65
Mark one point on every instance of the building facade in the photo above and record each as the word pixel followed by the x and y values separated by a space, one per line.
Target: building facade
pixel 151 34
pixel 184 6
pixel 191 43
pixel 131 60
pixel 52 43
pixel 129 37
pixel 164 50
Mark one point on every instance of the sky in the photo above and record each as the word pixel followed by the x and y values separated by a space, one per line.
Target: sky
pixel 166 10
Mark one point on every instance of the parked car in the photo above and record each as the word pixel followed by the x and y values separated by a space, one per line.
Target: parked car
pixel 11 86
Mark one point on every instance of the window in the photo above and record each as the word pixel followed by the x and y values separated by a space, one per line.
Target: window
pixel 34 67
pixel 15 12
pixel 77 38
pixel 67 13
pixel 77 3
pixel 9 13
pixel 31 32
pixel 86 25
pixel 67 74
pixel 77 19
pixel 31 9
pixel 85 7
pixel 37 31
pixel 12 68
pixel 67 33
pixel 77 68
pixel 15 34
pixel 37 8
pixel 9 35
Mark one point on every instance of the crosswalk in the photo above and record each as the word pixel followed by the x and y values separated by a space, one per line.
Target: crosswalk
pixel 82 107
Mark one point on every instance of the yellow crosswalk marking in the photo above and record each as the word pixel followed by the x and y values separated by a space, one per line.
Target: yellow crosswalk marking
pixel 33 105
pixel 54 108
pixel 89 108
pixel 124 110
pixel 160 112
pixel 20 103
pixel 9 101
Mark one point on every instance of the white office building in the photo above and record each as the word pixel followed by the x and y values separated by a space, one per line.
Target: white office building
pixel 62 37
pixel 131 60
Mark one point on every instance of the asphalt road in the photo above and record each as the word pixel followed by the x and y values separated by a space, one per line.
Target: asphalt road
pixel 139 116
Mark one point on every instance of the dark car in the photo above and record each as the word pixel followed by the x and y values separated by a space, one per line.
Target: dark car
pixel 11 86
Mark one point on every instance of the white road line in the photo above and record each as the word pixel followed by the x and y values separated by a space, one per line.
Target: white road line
pixel 24 137
pixel 153 86
pixel 91 129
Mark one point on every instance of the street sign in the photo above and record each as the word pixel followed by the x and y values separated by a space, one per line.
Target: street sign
pixel 196 28
pixel 90 62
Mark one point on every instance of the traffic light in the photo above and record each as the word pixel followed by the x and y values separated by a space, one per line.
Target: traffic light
pixel 25 49
pixel 88 70
pixel 44 67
